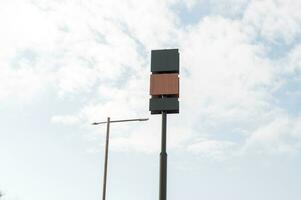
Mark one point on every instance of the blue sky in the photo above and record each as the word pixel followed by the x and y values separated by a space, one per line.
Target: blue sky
pixel 65 64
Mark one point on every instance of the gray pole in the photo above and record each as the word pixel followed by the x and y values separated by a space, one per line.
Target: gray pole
pixel 106 161
pixel 163 161
pixel 108 122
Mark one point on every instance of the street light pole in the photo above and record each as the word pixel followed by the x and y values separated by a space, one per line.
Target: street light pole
pixel 163 161
pixel 108 122
pixel 106 161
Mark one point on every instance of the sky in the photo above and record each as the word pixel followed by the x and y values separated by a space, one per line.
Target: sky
pixel 67 63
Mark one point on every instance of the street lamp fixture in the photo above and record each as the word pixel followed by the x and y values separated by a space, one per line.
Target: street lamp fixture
pixel 108 122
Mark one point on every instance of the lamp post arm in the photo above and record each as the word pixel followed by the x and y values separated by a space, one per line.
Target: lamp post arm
pixel 116 121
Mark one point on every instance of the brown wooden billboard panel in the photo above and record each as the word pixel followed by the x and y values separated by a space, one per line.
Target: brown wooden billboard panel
pixel 164 84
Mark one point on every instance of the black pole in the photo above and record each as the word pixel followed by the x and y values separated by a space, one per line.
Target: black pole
pixel 163 161
pixel 106 161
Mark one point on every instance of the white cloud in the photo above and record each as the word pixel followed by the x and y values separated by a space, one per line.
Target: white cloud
pixel 275 21
pixel 234 89
pixel 24 31
pixel 24 26
pixel 68 120
pixel 231 75
pixel 232 82
pixel 75 78
pixel 226 79
pixel 293 60
pixel 282 135
pixel 227 8
pixel 213 149
pixel 22 84
pixel 81 43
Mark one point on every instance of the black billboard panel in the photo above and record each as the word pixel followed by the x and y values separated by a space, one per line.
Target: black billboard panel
pixel 165 61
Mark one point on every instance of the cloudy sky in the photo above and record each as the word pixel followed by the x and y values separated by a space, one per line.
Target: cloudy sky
pixel 67 63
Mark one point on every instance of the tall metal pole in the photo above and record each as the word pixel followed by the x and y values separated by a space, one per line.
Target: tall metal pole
pixel 164 91
pixel 108 122
pixel 106 161
pixel 163 160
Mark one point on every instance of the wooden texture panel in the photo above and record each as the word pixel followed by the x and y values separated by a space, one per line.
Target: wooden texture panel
pixel 164 84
